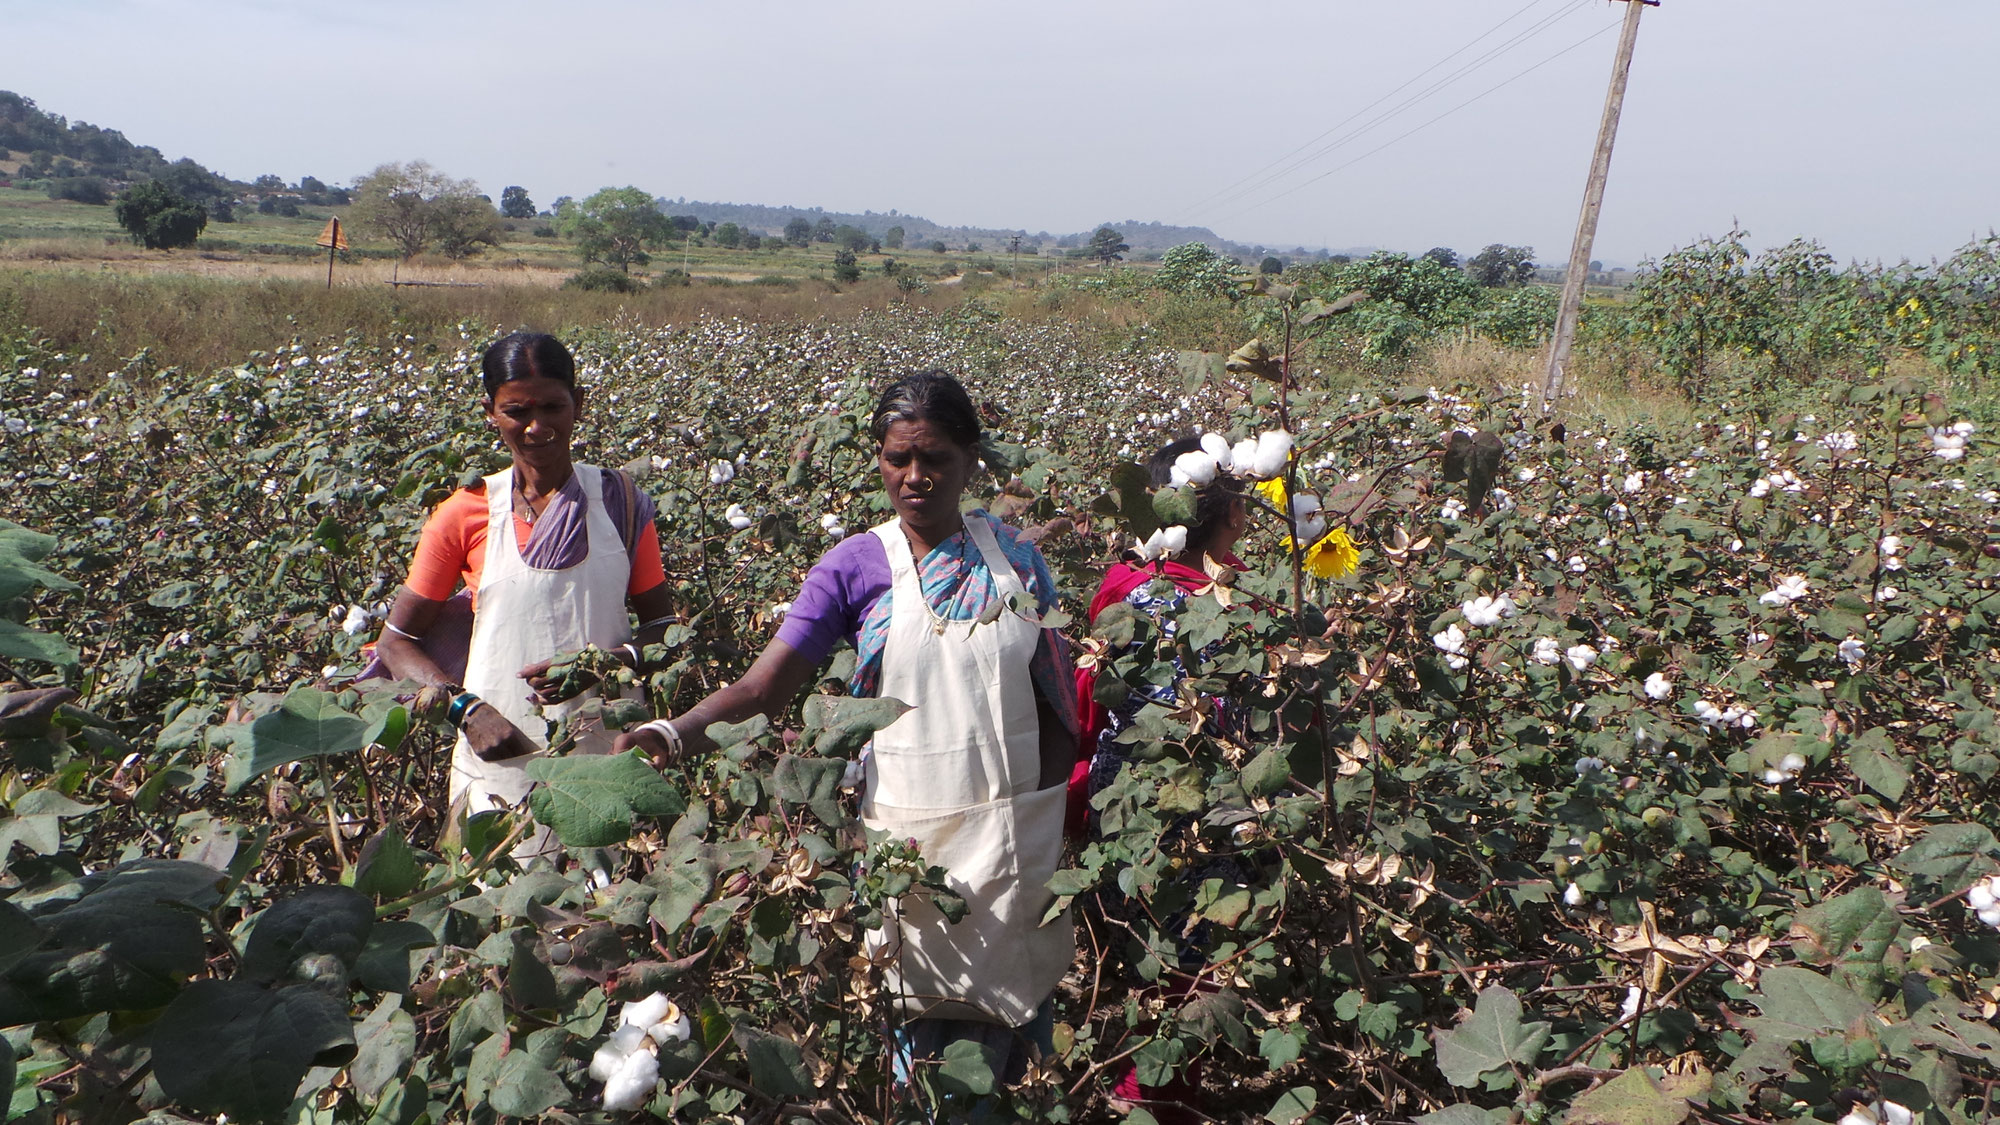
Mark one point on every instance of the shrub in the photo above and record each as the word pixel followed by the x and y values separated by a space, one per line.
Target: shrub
pixel 845 268
pixel 671 279
pixel 603 280
pixel 160 219
pixel 80 189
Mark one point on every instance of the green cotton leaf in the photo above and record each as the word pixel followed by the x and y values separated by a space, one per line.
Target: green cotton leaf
pixel 1217 1015
pixel 388 724
pixel 20 551
pixel 812 782
pixel 385 1043
pixel 591 800
pixel 1281 1046
pixel 1632 1098
pixel 309 723
pixel 175 595
pixel 1961 1033
pixel 228 1046
pixel 387 868
pixel 18 642
pixel 683 887
pixel 1493 1039
pixel 967 1069
pixel 1465 1115
pixel 1797 1004
pixel 776 1066
pixel 1876 763
pixel 385 964
pixel 1174 507
pixel 1854 930
pixel 1293 1104
pixel 122 939
pixel 1267 773
pixel 319 921
pixel 20 935
pixel 1950 855
pixel 36 823
pixel 844 724
pixel 523 1082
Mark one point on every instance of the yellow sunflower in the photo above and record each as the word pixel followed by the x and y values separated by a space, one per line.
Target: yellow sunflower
pixel 1273 492
pixel 1333 556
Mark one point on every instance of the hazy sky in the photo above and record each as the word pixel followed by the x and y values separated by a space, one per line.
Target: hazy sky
pixel 1870 125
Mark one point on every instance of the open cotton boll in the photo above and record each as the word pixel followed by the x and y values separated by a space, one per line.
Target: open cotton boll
pixel 1980 897
pixel 1483 611
pixel 1217 446
pixel 1173 540
pixel 1658 687
pixel 625 1040
pixel 357 620
pixel 675 1028
pixel 645 1013
pixel 737 517
pixel 1547 651
pixel 721 472
pixel 629 1088
pixel 1274 448
pixel 1243 457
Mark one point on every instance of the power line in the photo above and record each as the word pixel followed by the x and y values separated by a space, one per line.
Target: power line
pixel 1258 179
pixel 1598 34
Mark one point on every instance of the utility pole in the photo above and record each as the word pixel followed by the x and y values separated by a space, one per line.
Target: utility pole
pixel 1593 204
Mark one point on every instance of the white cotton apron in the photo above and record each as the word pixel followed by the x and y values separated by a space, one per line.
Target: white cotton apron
pixel 959 775
pixel 526 615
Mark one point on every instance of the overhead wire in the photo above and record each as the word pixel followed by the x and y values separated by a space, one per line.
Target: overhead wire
pixel 1465 71
pixel 1598 34
pixel 1343 123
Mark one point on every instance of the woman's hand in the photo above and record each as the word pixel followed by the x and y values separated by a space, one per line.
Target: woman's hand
pixel 492 737
pixel 542 687
pixel 650 742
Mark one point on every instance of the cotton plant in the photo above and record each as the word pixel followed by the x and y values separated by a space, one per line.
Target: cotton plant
pixel 1787 769
pixel 737 517
pixel 1658 687
pixel 1788 590
pixel 1983 898
pixel 1451 642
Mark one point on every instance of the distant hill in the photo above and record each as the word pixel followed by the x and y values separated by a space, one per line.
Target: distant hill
pixel 1146 239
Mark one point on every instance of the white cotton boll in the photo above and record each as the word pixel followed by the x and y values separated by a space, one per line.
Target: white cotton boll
pixel 1547 651
pixel 1452 640
pixel 1774 777
pixel 829 521
pixel 674 1029
pixel 1274 448
pixel 737 517
pixel 1578 564
pixel 633 1084
pixel 1243 457
pixel 1709 714
pixel 1580 657
pixel 1991 916
pixel 1452 510
pixel 606 1062
pixel 356 621
pixel 1484 611
pixel 1631 1006
pixel 1589 765
pixel 1217 446
pixel 1195 467
pixel 721 472
pixel 1852 651
pixel 1760 489
pixel 645 1013
pixel 1635 482
pixel 1980 897
pixel 1888 593
pixel 1173 540
pixel 1658 687
pixel 1793 764
pixel 1859 1115
pixel 1892 544
pixel 1573 895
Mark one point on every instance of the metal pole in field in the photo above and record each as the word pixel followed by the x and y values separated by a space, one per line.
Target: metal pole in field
pixel 1593 204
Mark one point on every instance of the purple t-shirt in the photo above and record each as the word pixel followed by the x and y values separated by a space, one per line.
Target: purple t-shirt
pixel 838 592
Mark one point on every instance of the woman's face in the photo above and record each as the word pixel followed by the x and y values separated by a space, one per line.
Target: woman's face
pixel 535 417
pixel 925 473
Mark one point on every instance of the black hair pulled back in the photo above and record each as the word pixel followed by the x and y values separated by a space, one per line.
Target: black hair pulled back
pixel 1212 501
pixel 526 355
pixel 928 396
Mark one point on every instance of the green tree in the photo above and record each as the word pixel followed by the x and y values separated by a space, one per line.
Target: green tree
pixel 463 224
pixel 515 204
pixel 1270 265
pixel 1444 256
pixel 615 226
pixel 823 230
pixel 1107 246
pixel 799 231
pixel 893 238
pixel 850 238
pixel 937 246
pixel 1499 265
pixel 729 235
pixel 845 266
pixel 159 218
pixel 400 202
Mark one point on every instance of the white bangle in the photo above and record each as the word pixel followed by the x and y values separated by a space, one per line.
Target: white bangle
pixel 665 729
pixel 634 650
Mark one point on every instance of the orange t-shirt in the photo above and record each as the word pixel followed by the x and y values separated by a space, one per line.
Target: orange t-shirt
pixel 452 550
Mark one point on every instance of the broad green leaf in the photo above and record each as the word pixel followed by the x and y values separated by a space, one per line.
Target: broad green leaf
pixel 1854 930
pixel 19 935
pixel 1950 855
pixel 1632 1098
pixel 1875 760
pixel 309 724
pixel 967 1068
pixel 1268 772
pixel 1292 1105
pixel 1217 1014
pixel 591 800
pixel 843 724
pixel 122 939
pixel 387 868
pixel 385 1043
pixel 812 782
pixel 1493 1039
pixel 1464 1115
pixel 228 1046
pixel 291 937
pixel 174 595
pixel 776 1067
pixel 18 642
pixel 1281 1046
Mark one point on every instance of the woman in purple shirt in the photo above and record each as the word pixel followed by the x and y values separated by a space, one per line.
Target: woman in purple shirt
pixel 975 772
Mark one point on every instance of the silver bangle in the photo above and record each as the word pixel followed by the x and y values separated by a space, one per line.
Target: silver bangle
pixel 634 650
pixel 391 626
pixel 665 729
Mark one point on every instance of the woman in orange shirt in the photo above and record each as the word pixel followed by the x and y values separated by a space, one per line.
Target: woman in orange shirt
pixel 551 552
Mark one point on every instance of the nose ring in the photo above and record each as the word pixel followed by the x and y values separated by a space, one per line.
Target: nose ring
pixel 928 484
